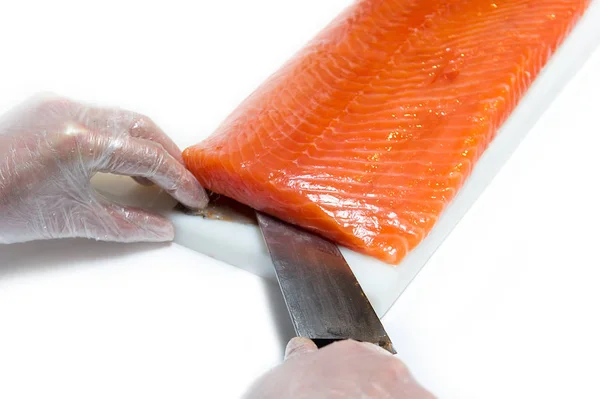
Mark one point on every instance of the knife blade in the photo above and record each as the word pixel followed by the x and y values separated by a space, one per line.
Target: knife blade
pixel 324 299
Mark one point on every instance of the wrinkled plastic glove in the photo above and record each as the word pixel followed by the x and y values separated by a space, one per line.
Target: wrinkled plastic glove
pixel 345 369
pixel 50 148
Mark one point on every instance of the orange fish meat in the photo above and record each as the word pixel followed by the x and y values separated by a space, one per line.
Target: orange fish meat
pixel 367 134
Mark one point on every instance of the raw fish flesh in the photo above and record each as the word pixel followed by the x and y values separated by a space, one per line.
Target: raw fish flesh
pixel 367 134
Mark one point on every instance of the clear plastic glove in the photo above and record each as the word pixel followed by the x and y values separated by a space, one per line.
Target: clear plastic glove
pixel 50 148
pixel 345 369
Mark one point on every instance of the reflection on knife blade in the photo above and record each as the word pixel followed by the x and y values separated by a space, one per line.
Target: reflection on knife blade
pixel 323 297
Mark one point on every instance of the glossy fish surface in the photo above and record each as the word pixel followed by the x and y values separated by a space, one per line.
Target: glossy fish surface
pixel 367 134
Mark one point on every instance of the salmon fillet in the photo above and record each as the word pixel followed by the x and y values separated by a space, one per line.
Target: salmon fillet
pixel 367 134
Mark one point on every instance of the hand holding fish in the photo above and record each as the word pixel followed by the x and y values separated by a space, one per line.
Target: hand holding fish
pixel 346 369
pixel 51 147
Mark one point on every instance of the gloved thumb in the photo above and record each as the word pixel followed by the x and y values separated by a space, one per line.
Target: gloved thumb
pixel 299 346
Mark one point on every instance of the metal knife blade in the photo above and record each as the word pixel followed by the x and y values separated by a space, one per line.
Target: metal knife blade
pixel 325 301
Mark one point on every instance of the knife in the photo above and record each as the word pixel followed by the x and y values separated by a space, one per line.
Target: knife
pixel 325 301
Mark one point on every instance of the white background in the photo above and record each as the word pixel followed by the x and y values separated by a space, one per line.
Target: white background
pixel 507 307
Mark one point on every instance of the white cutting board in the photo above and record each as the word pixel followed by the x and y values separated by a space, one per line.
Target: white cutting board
pixel 242 245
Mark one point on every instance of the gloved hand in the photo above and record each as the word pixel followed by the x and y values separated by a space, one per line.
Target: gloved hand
pixel 50 148
pixel 345 369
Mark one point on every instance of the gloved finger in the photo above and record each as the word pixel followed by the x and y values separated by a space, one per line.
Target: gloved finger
pixel 299 346
pixel 142 158
pixel 133 123
pixel 145 128
pixel 136 125
pixel 134 225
